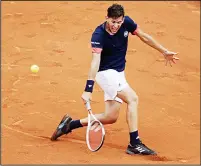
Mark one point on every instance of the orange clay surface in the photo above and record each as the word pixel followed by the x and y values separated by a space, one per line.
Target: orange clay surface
pixel 56 36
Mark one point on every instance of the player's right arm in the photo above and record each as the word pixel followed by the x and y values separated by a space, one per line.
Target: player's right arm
pixel 96 44
pixel 95 63
pixel 87 94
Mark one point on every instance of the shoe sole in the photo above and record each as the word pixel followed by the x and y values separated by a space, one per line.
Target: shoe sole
pixel 54 138
pixel 132 153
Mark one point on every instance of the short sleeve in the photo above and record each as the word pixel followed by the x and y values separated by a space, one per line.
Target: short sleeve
pixel 97 42
pixel 131 25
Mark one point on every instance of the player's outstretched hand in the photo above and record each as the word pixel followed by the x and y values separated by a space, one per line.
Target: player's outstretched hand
pixel 170 57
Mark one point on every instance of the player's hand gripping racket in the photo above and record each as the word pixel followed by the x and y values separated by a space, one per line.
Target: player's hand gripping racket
pixel 95 134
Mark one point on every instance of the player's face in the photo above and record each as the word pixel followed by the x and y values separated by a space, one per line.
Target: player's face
pixel 114 24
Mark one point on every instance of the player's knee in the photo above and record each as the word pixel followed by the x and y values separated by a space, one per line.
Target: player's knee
pixel 111 118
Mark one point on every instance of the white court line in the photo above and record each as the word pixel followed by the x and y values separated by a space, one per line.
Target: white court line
pixel 44 138
pixel 68 139
pixel 18 131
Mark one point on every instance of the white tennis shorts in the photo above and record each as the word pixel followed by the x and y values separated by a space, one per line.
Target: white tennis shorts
pixel 111 82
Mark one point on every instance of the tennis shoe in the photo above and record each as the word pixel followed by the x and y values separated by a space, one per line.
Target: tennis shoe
pixel 63 128
pixel 140 148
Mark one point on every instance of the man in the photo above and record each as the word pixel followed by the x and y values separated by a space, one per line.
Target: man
pixel 109 45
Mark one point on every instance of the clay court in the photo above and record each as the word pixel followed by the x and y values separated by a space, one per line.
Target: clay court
pixel 56 36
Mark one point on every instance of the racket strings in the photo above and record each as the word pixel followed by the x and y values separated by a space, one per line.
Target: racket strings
pixel 95 131
pixel 95 135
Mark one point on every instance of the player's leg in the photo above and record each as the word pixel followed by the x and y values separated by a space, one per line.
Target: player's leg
pixel 111 114
pixel 108 81
pixel 128 95
pixel 108 117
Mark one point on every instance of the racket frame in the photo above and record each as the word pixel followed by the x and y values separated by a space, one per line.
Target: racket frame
pixel 90 114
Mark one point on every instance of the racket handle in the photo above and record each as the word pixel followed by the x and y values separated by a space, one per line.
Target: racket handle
pixel 88 106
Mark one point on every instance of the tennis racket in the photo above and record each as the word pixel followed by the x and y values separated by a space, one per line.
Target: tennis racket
pixel 95 134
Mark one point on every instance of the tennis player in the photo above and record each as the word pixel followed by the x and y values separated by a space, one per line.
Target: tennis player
pixel 109 46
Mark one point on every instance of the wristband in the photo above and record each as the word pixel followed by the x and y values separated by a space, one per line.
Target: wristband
pixel 89 86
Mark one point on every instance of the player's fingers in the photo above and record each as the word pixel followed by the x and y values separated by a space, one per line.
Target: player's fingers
pixel 166 62
pixel 173 61
pixel 94 125
pixel 176 58
pixel 97 128
pixel 170 63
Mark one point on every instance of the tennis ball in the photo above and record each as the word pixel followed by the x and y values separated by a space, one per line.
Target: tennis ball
pixel 34 69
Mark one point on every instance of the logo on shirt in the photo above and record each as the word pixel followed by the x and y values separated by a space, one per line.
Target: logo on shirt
pixel 126 34
pixel 95 42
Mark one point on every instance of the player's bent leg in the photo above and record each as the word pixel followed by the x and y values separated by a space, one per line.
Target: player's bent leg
pixel 110 115
pixel 112 109
pixel 136 146
pixel 67 124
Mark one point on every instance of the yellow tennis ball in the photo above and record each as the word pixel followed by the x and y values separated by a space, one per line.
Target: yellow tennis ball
pixel 34 68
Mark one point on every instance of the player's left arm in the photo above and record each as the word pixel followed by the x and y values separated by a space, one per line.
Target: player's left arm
pixel 146 38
